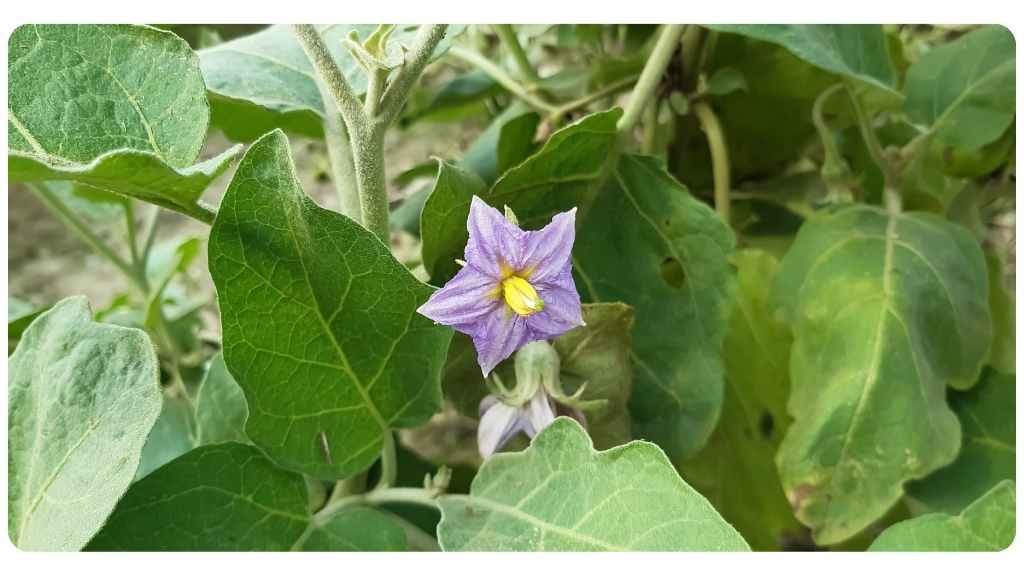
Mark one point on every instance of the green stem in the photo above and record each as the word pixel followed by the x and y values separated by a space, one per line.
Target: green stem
pixel 149 233
pixel 374 90
pixel 650 124
pixel 388 462
pixel 650 76
pixel 719 155
pixel 481 62
pixel 891 195
pixel 85 233
pixel 583 101
pixel 368 154
pixel 417 496
pixel 327 69
pixel 508 38
pixel 818 118
pixel 129 224
pixel 339 154
pixel 419 55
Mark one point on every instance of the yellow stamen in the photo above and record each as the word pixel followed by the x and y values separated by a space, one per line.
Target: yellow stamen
pixel 521 296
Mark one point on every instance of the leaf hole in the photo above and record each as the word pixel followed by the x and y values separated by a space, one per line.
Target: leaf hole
pixel 672 273
pixel 766 424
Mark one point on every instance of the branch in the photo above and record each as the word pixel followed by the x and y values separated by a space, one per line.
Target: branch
pixel 327 69
pixel 427 39
pixel 719 155
pixel 511 42
pixel 501 77
pixel 650 76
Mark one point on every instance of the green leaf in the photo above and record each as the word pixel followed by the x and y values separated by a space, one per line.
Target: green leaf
pixel 82 398
pixel 987 525
pixel 232 497
pixel 562 495
pixel 648 243
pixel 565 173
pixel 855 51
pixel 220 406
pixel 265 81
pixel 736 470
pixel 988 417
pixel 964 91
pixel 319 322
pixel 170 437
pixel 443 219
pixel 886 310
pixel 20 315
pixel 507 141
pixel 120 108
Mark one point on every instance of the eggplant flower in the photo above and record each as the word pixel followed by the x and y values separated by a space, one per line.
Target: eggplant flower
pixel 515 286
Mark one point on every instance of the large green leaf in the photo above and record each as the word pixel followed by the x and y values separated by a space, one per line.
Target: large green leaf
pixel 121 108
pixel 232 497
pixel 507 141
pixel 265 81
pixel 887 310
pixel 964 91
pixel 220 406
pixel 988 417
pixel 987 525
pixel 562 495
pixel 82 398
pixel 648 243
pixel 736 470
pixel 566 172
pixel 855 51
pixel 319 321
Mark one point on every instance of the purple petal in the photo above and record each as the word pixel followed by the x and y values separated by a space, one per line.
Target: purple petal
pixel 562 311
pixel 539 413
pixel 497 336
pixel 493 240
pixel 465 300
pixel 499 423
pixel 547 251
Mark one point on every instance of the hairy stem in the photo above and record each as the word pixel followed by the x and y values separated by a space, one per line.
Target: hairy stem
pixel 85 233
pixel 339 153
pixel 368 154
pixel 508 38
pixel 719 155
pixel 327 69
pixel 481 62
pixel 422 49
pixel 650 76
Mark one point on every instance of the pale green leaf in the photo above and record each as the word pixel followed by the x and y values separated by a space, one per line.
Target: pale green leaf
pixel 319 321
pixel 648 243
pixel 121 108
pixel 964 91
pixel 82 398
pixel 856 51
pixel 736 470
pixel 231 497
pixel 887 311
pixel 726 80
pixel 171 436
pixel 220 406
pixel 1004 316
pixel 265 81
pixel 988 417
pixel 987 525
pixel 562 495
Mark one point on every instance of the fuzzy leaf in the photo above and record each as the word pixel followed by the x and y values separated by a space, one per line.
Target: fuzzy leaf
pixel 886 312
pixel 319 321
pixel 562 495
pixel 82 398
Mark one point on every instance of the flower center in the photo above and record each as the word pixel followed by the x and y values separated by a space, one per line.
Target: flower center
pixel 520 296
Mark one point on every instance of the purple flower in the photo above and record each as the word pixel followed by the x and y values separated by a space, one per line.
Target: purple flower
pixel 515 287
pixel 499 422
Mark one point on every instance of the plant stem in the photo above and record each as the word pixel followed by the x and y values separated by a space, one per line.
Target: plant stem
pixel 508 38
pixel 891 195
pixel 650 76
pixel 368 154
pixel 572 106
pixel 149 232
pixel 388 462
pixel 419 55
pixel 374 90
pixel 339 154
pixel 327 69
pixel 417 496
pixel 650 125
pixel 719 155
pixel 481 62
pixel 129 224
pixel 85 233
